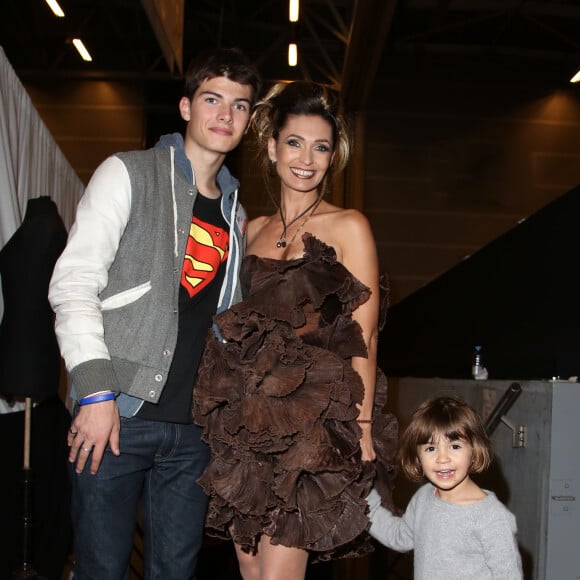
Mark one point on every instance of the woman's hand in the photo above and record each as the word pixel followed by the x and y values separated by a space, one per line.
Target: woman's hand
pixel 366 443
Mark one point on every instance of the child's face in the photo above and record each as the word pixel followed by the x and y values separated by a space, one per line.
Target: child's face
pixel 445 462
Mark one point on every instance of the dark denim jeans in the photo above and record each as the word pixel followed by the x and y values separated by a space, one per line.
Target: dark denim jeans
pixel 157 469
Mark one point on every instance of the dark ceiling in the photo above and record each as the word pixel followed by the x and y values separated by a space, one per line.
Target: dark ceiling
pixel 121 40
pixel 346 43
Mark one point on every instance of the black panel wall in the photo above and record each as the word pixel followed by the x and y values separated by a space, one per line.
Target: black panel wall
pixel 518 297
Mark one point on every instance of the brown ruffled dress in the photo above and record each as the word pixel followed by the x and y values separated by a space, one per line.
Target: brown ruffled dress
pixel 277 401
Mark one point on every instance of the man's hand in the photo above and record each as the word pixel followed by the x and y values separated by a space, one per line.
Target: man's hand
pixel 94 427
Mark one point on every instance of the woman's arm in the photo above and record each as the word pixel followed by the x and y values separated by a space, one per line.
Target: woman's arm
pixel 359 256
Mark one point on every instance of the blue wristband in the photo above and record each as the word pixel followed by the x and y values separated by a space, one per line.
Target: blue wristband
pixel 97 398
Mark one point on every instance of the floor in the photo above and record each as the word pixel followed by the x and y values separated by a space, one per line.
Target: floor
pixel 217 561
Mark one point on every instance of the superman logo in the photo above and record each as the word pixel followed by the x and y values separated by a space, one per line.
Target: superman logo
pixel 207 247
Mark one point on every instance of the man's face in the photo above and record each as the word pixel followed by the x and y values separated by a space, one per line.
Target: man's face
pixel 217 115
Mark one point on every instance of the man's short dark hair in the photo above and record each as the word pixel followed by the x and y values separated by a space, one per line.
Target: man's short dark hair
pixel 231 63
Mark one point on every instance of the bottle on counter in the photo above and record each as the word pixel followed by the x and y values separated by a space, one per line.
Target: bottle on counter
pixel 478 371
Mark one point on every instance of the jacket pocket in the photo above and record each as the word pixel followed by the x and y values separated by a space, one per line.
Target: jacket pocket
pixel 126 297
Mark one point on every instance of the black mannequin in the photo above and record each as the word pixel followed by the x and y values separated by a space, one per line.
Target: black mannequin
pixel 29 355
pixel 30 368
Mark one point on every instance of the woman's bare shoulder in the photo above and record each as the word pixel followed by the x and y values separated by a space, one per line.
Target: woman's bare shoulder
pixel 256 225
pixel 347 220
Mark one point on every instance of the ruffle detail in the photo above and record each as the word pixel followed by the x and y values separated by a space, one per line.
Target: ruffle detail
pixel 277 401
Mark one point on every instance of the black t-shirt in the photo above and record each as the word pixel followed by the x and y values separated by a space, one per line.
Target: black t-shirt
pixel 203 272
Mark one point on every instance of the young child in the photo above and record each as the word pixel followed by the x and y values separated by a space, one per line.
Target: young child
pixel 456 529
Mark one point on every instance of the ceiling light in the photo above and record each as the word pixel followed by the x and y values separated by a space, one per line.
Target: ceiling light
pixel 54 6
pixel 575 78
pixel 292 54
pixel 294 9
pixel 82 49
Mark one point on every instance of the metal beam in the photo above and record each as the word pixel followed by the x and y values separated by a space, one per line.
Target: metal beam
pixel 166 18
pixel 370 26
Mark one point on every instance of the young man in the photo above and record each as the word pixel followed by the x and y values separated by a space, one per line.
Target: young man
pixel 154 252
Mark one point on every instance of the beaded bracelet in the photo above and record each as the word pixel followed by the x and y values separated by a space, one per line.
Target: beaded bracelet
pixel 364 420
pixel 97 398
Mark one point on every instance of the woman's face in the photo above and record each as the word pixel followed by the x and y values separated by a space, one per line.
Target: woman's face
pixel 303 152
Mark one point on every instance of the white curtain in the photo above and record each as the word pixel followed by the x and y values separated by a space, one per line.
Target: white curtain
pixel 31 163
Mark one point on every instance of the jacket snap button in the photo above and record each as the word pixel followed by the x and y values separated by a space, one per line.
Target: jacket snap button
pixel 152 394
pixel 158 378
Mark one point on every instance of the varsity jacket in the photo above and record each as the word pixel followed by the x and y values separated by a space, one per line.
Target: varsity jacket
pixel 115 288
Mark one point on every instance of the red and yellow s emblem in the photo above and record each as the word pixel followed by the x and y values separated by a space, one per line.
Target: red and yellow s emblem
pixel 207 247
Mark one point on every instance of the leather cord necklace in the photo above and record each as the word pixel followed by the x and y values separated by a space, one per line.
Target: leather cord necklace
pixel 281 242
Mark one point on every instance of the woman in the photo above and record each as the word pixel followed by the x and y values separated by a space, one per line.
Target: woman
pixel 288 399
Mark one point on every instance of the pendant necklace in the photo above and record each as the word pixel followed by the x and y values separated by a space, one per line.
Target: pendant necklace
pixel 281 243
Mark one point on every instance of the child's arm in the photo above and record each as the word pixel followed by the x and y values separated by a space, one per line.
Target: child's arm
pixel 392 531
pixel 500 546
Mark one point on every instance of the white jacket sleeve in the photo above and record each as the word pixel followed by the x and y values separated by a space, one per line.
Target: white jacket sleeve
pixel 390 530
pixel 81 272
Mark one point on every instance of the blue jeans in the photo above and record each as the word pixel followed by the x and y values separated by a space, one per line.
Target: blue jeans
pixel 157 469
